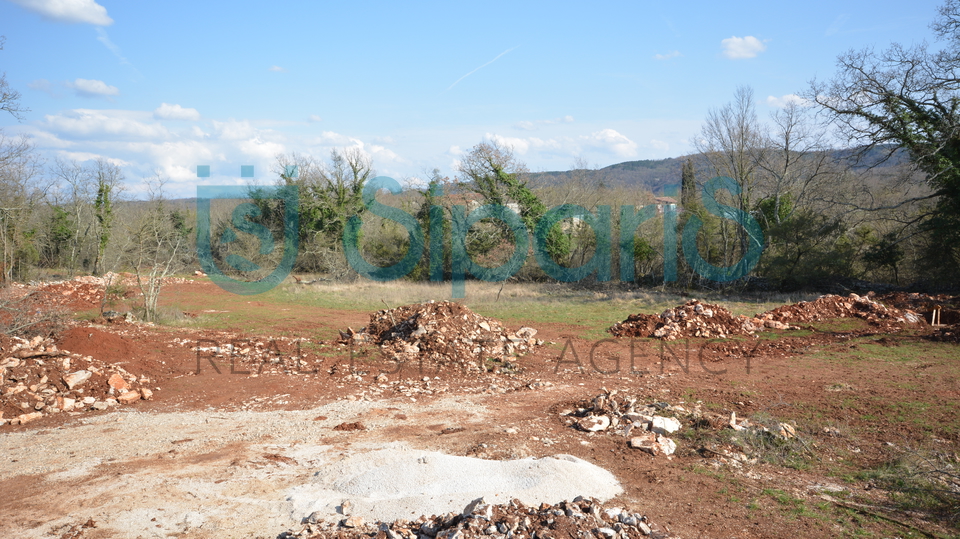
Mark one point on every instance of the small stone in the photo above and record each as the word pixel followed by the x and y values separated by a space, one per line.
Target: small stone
pixel 146 393
pixel 89 400
pixel 76 378
pixel 644 529
pixel 118 383
pixel 594 423
pixel 352 522
pixel 609 533
pixel 665 425
pixel 129 397
pixel 23 419
pixel 100 405
pixel 786 431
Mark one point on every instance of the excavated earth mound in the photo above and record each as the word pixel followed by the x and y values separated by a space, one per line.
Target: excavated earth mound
pixel 692 319
pixel 444 333
pixel 852 306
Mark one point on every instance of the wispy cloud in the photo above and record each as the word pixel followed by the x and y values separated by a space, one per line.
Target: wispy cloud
pixel 531 126
pixel 102 37
pixel 69 11
pixel 314 118
pixel 92 88
pixel 479 68
pixel 783 101
pixel 278 69
pixel 737 48
pixel 667 56
pixel 837 24
pixel 167 111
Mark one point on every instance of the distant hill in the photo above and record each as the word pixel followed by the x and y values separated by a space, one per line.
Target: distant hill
pixel 655 174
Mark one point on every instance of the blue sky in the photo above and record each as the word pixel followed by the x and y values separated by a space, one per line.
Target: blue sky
pixel 165 86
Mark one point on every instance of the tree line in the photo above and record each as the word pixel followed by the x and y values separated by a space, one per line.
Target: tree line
pixel 857 178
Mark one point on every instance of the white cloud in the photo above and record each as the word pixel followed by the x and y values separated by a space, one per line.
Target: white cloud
pixel 69 11
pixel 234 130
pixel 167 111
pixel 92 88
pixel 313 118
pixel 103 124
pixel 667 56
pixel 278 69
pixel 455 151
pixel 88 156
pixel 263 149
pixel 612 141
pixel 783 101
pixel 736 48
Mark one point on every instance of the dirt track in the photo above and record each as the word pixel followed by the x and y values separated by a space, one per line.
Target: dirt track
pixel 212 454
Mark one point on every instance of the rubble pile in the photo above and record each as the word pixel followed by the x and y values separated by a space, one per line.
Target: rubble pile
pixel 443 333
pixel 852 306
pixel 692 319
pixel 38 379
pixel 647 426
pixel 585 518
pixel 947 334
pixel 947 307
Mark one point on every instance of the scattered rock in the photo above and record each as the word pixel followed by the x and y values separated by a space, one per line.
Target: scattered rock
pixel 76 378
pixel 117 382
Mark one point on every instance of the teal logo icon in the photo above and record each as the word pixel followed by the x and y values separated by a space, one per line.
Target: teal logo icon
pixel 246 226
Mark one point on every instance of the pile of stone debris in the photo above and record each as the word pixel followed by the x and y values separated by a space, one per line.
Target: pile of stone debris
pixel 445 334
pixel 692 319
pixel 852 306
pixel 585 518
pixel 38 379
pixel 647 426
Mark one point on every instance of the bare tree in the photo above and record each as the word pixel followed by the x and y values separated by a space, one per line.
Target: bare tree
pixel 160 239
pixel 9 98
pixel 732 142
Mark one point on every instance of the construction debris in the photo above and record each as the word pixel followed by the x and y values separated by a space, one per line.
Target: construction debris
pixel 852 306
pixel 582 517
pixel 38 379
pixel 692 319
pixel 444 334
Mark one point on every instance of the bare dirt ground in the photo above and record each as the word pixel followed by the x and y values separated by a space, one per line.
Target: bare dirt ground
pixel 237 417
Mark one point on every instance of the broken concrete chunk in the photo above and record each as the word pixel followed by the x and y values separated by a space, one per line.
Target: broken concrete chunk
pixel 665 425
pixel 594 423
pixel 129 397
pixel 76 378
pixel 118 383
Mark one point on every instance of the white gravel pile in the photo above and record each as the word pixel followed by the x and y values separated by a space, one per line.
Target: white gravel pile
pixel 397 483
